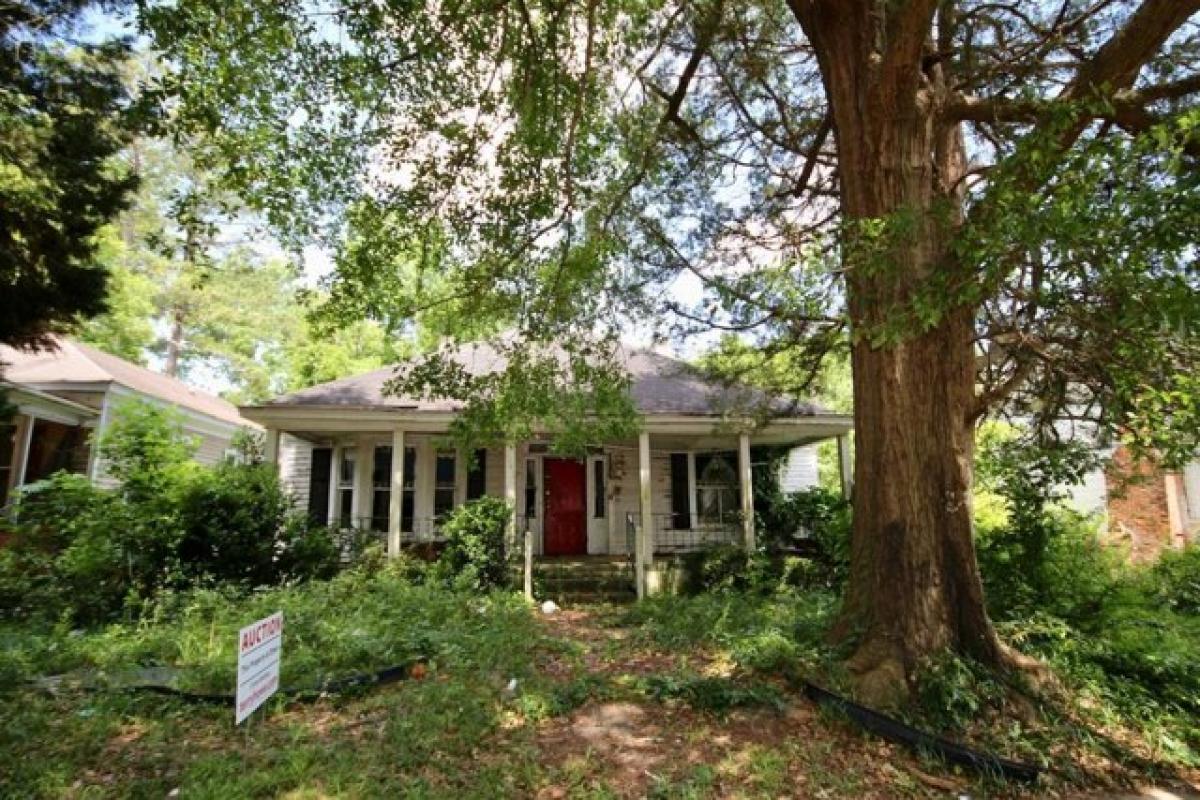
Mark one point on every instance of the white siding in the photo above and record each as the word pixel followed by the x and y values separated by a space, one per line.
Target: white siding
pixel 799 469
pixel 211 447
pixel 1191 487
pixel 295 467
pixel 624 491
pixel 1091 496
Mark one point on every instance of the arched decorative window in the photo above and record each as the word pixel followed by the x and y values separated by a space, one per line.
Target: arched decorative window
pixel 716 488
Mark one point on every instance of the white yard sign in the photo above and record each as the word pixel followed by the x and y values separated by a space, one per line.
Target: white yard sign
pixel 259 646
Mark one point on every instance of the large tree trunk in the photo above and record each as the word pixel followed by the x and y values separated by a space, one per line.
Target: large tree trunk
pixel 915 589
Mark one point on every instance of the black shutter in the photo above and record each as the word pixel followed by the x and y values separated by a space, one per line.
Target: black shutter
pixel 681 496
pixel 477 477
pixel 407 497
pixel 318 484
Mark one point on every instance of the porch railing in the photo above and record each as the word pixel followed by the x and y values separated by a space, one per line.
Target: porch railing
pixel 425 529
pixel 675 533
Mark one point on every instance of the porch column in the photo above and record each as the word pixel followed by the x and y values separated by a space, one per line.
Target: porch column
pixel 395 504
pixel 845 471
pixel 510 490
pixel 644 544
pixel 364 462
pixel 335 486
pixel 746 477
pixel 271 447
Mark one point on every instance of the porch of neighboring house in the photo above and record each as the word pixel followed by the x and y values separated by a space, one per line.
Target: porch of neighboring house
pixel 46 434
pixel 679 486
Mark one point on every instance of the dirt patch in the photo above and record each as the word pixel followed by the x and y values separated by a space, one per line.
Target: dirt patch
pixel 609 651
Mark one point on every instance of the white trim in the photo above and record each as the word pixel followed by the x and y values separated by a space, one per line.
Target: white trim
pixel 44 405
pixel 94 455
pixel 746 478
pixel 644 546
pixel 396 498
pixel 355 419
pixel 510 487
pixel 194 421
pixel 597 530
pixel 363 486
pixel 25 452
pixel 271 447
pixel 538 461
pixel 335 477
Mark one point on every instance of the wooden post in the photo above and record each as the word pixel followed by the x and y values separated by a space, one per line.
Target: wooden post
pixel 396 504
pixel 746 477
pixel 645 532
pixel 510 490
pixel 845 472
pixel 528 563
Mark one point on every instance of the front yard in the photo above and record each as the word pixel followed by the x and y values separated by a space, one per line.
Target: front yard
pixel 674 698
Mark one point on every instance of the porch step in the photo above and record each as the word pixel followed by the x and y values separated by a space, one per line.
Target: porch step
pixel 572 581
pixel 592 598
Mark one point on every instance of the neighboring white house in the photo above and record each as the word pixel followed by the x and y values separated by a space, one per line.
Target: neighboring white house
pixel 66 394
pixel 682 482
pixel 799 469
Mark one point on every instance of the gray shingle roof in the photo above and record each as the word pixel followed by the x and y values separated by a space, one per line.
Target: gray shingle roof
pixel 71 362
pixel 660 385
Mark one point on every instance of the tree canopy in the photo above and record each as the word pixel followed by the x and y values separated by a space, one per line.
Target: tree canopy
pixel 990 206
pixel 64 116
pixel 573 160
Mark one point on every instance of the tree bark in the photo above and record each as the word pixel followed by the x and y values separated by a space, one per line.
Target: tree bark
pixel 914 589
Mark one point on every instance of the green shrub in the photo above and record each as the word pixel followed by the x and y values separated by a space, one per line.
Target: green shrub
pixel 1175 580
pixel 817 513
pixel 729 568
pixel 83 551
pixel 90 553
pixel 1073 576
pixel 712 694
pixel 952 691
pixel 237 524
pixel 475 551
pixel 1039 555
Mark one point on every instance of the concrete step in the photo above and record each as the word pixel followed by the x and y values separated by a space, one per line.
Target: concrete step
pixel 586 584
pixel 569 599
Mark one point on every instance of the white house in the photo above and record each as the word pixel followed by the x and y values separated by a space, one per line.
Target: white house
pixel 682 482
pixel 66 394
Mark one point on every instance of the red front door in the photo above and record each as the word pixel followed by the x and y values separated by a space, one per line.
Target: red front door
pixel 566 503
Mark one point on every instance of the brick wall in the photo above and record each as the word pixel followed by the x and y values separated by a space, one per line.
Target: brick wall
pixel 1137 506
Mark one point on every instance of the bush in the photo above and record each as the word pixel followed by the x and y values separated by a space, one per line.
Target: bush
pixel 1175 580
pixel 237 524
pixel 475 548
pixel 90 553
pixel 1073 576
pixel 82 551
pixel 729 568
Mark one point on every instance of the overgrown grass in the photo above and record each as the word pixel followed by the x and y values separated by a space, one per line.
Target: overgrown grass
pixel 356 622
pixel 1127 675
pixel 1127 684
pixel 403 739
pixel 767 633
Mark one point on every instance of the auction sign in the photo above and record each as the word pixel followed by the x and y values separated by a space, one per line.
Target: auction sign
pixel 259 646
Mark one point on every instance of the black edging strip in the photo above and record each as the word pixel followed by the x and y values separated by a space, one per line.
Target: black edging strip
pixel 889 728
pixel 896 731
pixel 334 686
